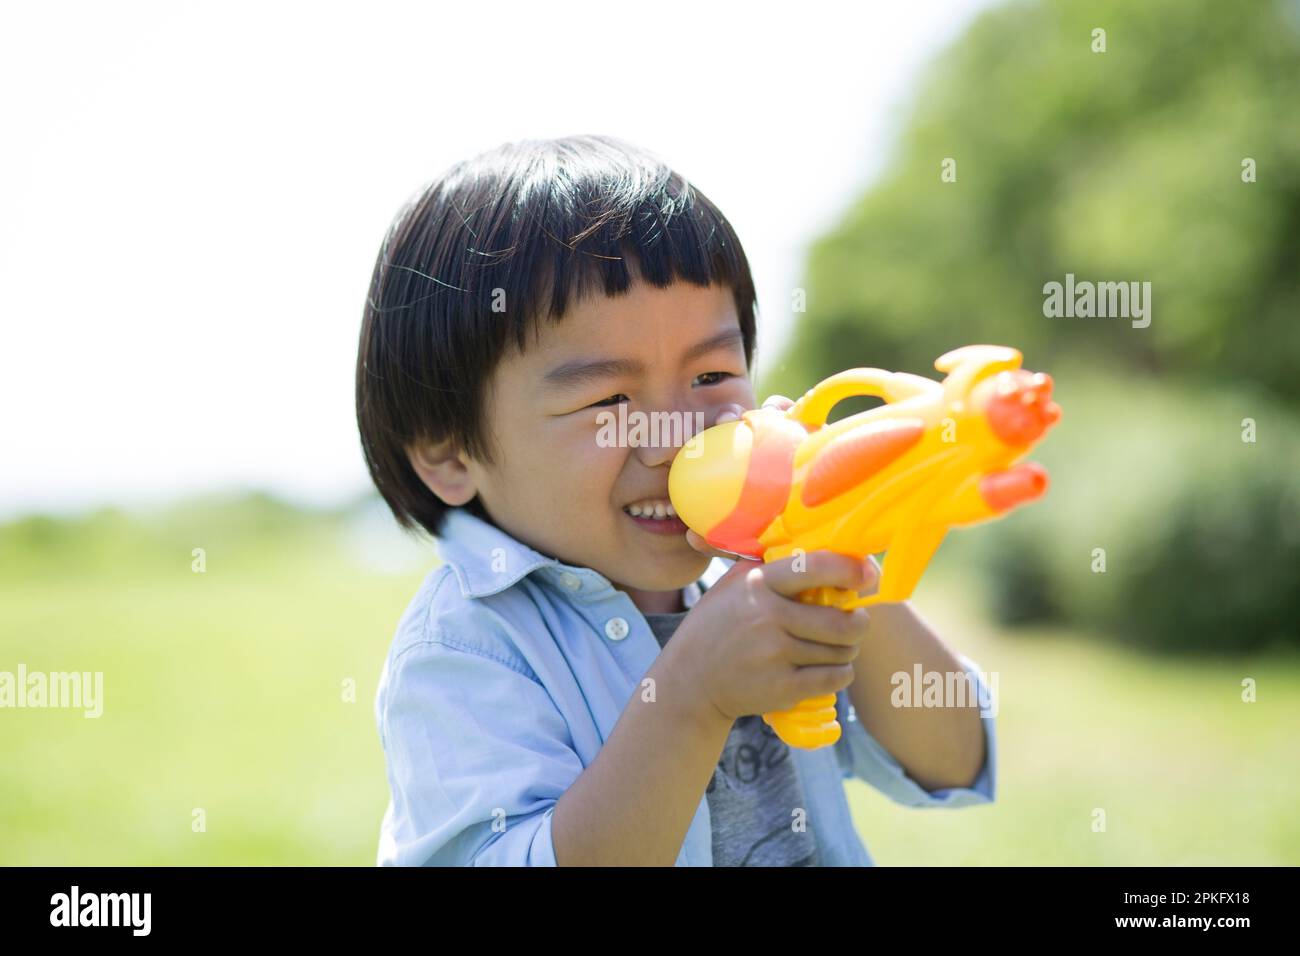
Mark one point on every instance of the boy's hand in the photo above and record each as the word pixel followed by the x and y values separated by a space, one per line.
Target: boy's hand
pixel 750 647
pixel 733 411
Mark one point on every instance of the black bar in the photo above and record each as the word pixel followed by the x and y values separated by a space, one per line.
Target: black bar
pixel 236 904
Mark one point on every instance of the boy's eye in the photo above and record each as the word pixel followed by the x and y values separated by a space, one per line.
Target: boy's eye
pixel 715 381
pixel 709 378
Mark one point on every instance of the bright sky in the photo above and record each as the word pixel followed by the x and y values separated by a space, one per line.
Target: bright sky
pixel 192 196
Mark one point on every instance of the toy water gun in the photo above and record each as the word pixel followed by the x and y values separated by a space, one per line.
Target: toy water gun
pixel 894 478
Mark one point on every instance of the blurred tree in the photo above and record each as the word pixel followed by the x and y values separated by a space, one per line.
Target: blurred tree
pixel 1169 524
pixel 1123 165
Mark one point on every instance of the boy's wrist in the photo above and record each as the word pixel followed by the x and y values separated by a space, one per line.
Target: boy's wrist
pixel 686 700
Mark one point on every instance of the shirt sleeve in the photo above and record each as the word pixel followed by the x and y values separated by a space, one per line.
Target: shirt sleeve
pixel 478 755
pixel 862 756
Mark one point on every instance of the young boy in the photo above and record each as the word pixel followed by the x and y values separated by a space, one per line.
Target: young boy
pixel 580 682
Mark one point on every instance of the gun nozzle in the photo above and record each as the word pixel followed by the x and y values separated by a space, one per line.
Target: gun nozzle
pixel 1021 408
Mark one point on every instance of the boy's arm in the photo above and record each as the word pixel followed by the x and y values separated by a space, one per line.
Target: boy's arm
pixel 939 747
pixel 633 805
pixel 483 772
pixel 477 755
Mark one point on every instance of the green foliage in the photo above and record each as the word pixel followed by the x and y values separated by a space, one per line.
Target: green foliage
pixel 111 542
pixel 1117 166
pixel 1200 529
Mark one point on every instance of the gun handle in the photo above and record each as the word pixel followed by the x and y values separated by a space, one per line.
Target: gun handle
pixel 811 723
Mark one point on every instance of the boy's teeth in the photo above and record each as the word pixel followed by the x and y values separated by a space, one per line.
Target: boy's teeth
pixel 652 508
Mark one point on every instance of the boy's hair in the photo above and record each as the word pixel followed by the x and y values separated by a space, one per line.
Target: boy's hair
pixel 480 254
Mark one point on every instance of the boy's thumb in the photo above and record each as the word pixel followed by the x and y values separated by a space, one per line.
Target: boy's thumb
pixel 741 563
pixel 699 544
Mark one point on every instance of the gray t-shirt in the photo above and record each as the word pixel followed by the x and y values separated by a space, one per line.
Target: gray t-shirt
pixel 755 791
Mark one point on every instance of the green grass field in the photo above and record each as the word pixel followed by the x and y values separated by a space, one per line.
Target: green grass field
pixel 1185 771
pixel 225 691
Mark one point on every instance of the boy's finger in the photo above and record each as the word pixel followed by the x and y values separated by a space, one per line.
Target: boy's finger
pixel 729 413
pixel 873 577
pixel 820 624
pixel 741 564
pixel 819 569
pixel 702 546
pixel 733 411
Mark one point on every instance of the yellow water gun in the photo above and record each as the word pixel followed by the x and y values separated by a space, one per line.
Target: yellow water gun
pixel 894 478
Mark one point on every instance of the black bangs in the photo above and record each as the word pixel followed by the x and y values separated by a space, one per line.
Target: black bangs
pixel 499 243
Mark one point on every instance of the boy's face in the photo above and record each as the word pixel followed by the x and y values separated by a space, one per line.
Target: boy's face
pixel 559 486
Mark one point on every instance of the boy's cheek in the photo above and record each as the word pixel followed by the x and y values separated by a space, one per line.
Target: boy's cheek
pixel 562 444
pixel 584 470
pixel 739 390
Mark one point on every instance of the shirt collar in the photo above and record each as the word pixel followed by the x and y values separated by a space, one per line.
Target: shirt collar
pixel 487 560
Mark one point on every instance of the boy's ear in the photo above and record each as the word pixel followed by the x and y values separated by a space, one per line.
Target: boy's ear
pixel 443 471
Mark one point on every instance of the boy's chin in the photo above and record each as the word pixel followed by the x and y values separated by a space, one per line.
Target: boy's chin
pixel 668 574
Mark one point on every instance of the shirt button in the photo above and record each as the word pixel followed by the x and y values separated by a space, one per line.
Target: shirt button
pixel 616 628
pixel 571 580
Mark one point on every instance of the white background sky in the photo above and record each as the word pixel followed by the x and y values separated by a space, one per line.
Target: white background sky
pixel 192 196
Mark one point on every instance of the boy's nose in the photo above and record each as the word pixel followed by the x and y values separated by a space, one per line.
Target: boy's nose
pixel 672 429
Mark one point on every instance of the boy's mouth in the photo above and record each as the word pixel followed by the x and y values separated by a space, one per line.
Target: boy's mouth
pixel 655 515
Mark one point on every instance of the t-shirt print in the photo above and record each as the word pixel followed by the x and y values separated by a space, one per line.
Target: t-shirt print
pixel 755 791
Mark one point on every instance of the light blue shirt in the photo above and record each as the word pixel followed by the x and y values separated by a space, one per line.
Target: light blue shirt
pixel 507 673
